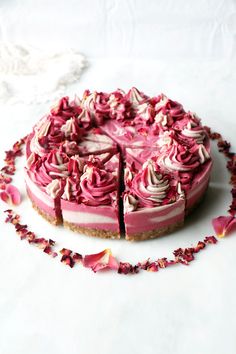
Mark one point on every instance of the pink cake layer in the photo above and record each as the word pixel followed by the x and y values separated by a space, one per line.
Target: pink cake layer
pixel 104 217
pixel 199 186
pixel 40 198
pixel 147 219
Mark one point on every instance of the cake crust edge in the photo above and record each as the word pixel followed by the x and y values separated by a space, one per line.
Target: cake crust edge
pixel 91 231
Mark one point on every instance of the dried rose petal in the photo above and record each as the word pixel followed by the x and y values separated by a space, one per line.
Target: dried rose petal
pixel 127 268
pixel 199 246
pixel 11 195
pixel 210 240
pixel 152 267
pixel 77 258
pixel 65 252
pixel 67 260
pixel 223 224
pixel 102 260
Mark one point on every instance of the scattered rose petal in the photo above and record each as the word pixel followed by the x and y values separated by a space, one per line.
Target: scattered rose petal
pixel 70 258
pixel 11 195
pixel 127 268
pixel 223 224
pixel 210 240
pixel 100 261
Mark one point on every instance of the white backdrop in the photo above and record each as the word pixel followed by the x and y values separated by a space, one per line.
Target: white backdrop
pixel 185 49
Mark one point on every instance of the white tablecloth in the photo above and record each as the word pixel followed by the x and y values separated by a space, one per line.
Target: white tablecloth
pixel 186 50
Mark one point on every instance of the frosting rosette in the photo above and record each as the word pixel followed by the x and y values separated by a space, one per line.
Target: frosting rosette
pixel 136 97
pixel 130 203
pixel 180 158
pixel 190 127
pixel 52 166
pixel 66 109
pixel 97 103
pixel 119 106
pixel 151 186
pixel 98 186
pixel 167 111
pixel 145 114
pixel 71 129
pixel 46 136
pixel 72 190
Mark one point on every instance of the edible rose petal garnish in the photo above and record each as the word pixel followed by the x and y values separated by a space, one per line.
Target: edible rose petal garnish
pixel 223 225
pixel 11 195
pixel 101 260
pixel 24 234
pixel 104 259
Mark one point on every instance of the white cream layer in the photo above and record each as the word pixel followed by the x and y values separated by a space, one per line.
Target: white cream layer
pixel 86 218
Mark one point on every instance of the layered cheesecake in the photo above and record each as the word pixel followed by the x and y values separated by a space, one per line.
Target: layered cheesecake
pixel 112 164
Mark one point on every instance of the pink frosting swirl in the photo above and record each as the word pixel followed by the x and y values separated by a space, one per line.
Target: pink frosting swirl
pixel 72 190
pixel 189 127
pixel 130 203
pixel 46 136
pixel 98 186
pixel 180 158
pixel 65 110
pixel 168 111
pixel 119 106
pixel 75 165
pixel 150 185
pixel 52 166
pixel 71 129
pixel 145 114
pixel 136 97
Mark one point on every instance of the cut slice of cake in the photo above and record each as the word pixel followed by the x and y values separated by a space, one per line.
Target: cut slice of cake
pixel 153 203
pixel 44 178
pixel 90 202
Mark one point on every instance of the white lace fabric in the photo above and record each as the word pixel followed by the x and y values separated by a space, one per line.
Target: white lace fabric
pixel 30 75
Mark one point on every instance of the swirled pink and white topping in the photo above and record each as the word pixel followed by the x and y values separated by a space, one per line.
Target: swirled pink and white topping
pixel 71 129
pixel 130 203
pixel 168 111
pixel 88 101
pixel 97 186
pixel 39 142
pixel 76 165
pixel 145 114
pixel 119 106
pixel 52 166
pixel 150 185
pixel 136 97
pixel 180 158
pixel 194 132
pixel 54 188
pixel 72 190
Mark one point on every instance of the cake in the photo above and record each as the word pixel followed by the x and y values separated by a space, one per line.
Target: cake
pixel 118 164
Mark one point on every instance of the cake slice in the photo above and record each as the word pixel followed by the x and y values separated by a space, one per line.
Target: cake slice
pixel 153 203
pixel 90 202
pixel 44 178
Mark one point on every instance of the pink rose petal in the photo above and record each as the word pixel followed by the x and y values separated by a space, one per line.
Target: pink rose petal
pixel 14 194
pixel 223 224
pixel 100 261
pixel 5 197
pixel 11 195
